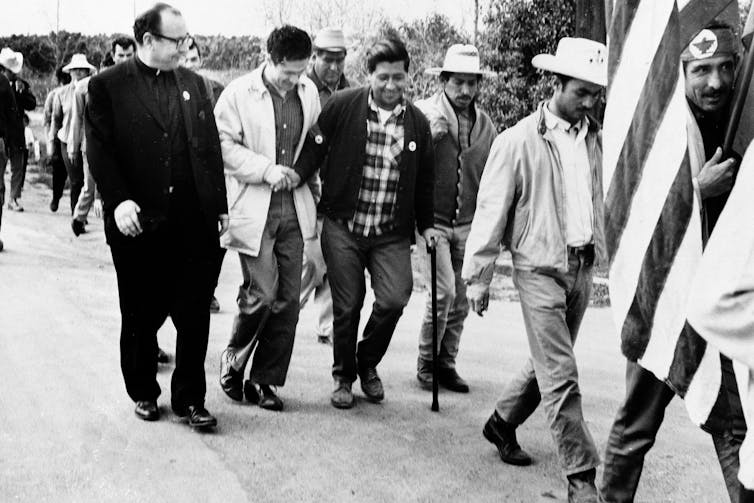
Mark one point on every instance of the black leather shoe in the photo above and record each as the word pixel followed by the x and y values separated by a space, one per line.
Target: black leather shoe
pixel 199 417
pixel 147 410
pixel 78 227
pixel 581 488
pixel 449 379
pixel 371 384
pixel 54 205
pixel 503 435
pixel 162 356
pixel 231 380
pixel 342 397
pixel 425 379
pixel 267 398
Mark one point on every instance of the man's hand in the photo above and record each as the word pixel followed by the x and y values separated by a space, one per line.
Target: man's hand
pixel 294 180
pixel 275 177
pixel 97 207
pixel 127 218
pixel 716 177
pixel 431 233
pixel 438 126
pixel 479 297
pixel 223 221
pixel 20 86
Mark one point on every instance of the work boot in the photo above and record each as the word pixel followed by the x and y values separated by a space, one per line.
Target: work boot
pixel 78 227
pixel 745 495
pixel 342 396
pixel 503 435
pixel 371 384
pixel 581 488
pixel 449 379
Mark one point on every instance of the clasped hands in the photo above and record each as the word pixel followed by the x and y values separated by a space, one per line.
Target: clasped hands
pixel 284 179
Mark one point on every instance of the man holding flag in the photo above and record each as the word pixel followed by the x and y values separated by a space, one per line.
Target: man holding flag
pixel 708 65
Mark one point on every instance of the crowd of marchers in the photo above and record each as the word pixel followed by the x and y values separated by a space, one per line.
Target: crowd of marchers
pixel 312 182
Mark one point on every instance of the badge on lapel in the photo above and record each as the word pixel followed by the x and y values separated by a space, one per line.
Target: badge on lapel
pixel 318 139
pixel 412 146
pixel 186 96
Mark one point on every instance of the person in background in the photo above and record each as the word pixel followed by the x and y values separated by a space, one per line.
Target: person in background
pixel 54 154
pixel 194 62
pixel 20 98
pixel 326 71
pixel 62 118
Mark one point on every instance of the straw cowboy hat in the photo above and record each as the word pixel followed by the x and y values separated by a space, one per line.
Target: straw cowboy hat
pixel 461 58
pixel 78 61
pixel 330 39
pixel 11 59
pixel 580 58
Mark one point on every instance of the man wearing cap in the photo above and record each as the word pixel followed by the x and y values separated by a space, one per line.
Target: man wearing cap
pixel 541 196
pixel 377 182
pixel 326 71
pixel 15 97
pixel 263 118
pixel 60 126
pixel 709 63
pixel 462 135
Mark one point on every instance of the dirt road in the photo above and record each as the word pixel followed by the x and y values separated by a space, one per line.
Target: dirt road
pixel 69 433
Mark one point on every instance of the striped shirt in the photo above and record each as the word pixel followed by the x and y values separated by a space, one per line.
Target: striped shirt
pixel 289 122
pixel 378 193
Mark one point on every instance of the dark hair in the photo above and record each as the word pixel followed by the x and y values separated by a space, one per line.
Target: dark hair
pixel 62 77
pixel 151 20
pixel 124 42
pixel 194 45
pixel 108 61
pixel 445 76
pixel 563 79
pixel 288 43
pixel 388 50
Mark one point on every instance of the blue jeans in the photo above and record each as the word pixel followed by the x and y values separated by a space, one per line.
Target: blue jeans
pixel 553 305
pixel 452 304
pixel 388 260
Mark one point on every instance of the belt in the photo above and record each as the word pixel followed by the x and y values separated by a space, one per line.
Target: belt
pixel 587 249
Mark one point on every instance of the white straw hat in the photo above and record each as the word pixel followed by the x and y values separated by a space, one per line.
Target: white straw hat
pixel 78 61
pixel 11 59
pixel 461 58
pixel 330 39
pixel 580 58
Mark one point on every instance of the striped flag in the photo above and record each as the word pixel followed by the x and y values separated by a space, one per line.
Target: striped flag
pixel 653 227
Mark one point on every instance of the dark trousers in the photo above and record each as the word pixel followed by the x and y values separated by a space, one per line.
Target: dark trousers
pixel 268 298
pixel 166 271
pixel 59 171
pixel 18 158
pixel 635 429
pixel 75 168
pixel 388 260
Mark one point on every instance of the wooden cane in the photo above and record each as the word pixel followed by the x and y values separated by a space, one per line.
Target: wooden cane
pixel 432 250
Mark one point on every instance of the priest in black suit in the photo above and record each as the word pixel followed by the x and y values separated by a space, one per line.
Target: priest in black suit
pixel 155 155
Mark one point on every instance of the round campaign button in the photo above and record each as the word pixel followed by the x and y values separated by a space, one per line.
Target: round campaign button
pixel 318 139
pixel 412 146
pixel 186 96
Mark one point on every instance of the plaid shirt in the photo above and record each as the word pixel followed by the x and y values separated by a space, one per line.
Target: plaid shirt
pixel 379 180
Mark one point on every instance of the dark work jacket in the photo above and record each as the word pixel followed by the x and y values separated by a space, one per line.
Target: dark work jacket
pixel 12 106
pixel 128 147
pixel 341 136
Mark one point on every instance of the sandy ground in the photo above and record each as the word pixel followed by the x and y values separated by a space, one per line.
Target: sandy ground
pixel 69 433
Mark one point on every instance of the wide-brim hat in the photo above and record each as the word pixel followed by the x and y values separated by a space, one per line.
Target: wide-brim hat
pixel 78 62
pixel 11 59
pixel 461 58
pixel 330 39
pixel 579 58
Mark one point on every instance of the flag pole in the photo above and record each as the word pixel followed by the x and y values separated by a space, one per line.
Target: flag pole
pixel 739 100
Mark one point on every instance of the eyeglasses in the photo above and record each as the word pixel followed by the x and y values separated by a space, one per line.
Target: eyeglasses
pixel 180 43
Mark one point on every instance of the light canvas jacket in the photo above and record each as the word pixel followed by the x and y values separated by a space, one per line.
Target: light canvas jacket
pixel 246 124
pixel 521 202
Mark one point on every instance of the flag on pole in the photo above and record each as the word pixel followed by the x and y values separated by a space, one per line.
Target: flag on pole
pixel 652 216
